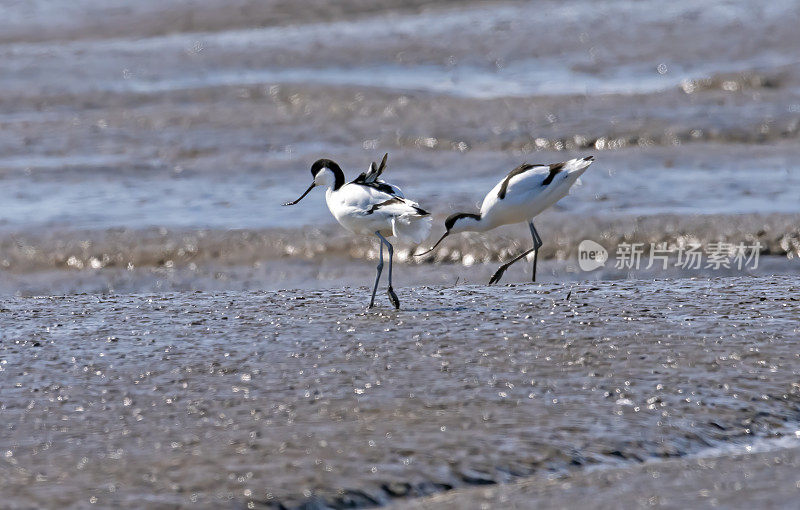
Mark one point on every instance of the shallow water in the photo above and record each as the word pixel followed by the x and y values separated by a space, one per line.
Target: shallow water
pixel 192 122
pixel 91 193
pixel 290 397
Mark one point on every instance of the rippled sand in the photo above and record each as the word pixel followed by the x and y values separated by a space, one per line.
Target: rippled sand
pixel 296 396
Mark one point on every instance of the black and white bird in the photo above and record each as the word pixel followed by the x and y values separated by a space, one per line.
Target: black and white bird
pixel 369 206
pixel 522 194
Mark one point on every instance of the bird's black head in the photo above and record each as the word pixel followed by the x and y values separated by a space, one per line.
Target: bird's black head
pixel 324 163
pixel 324 172
pixel 449 225
pixel 327 173
pixel 451 220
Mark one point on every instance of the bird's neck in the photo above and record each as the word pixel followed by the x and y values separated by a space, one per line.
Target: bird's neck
pixel 338 179
pixel 328 194
pixel 473 223
pixel 334 198
pixel 482 225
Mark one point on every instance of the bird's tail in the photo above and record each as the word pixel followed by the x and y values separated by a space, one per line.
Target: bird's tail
pixel 412 227
pixel 576 167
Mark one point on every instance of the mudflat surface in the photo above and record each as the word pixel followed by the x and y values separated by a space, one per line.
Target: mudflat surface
pixel 766 479
pixel 145 147
pixel 263 399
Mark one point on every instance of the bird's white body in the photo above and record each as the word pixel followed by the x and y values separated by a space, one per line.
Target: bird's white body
pixel 525 195
pixel 522 194
pixel 369 206
pixel 364 210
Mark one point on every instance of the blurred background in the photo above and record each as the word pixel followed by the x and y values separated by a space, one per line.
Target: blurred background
pixel 146 145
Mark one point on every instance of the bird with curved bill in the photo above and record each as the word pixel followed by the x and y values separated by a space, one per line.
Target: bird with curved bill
pixel 370 206
pixel 522 194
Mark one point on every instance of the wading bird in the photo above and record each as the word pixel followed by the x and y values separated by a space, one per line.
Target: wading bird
pixel 370 206
pixel 524 193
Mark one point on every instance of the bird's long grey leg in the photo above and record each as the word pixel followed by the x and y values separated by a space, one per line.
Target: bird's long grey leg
pixel 378 277
pixel 537 243
pixel 390 290
pixel 502 269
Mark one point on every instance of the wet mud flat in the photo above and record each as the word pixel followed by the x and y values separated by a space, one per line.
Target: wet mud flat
pixel 51 261
pixel 293 398
pixel 758 479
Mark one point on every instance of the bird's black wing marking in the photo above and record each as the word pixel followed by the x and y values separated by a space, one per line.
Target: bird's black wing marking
pixel 395 200
pixel 380 186
pixel 504 186
pixel 381 167
pixel 398 200
pixel 375 171
pixel 370 178
pixel 420 210
pixel 555 169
